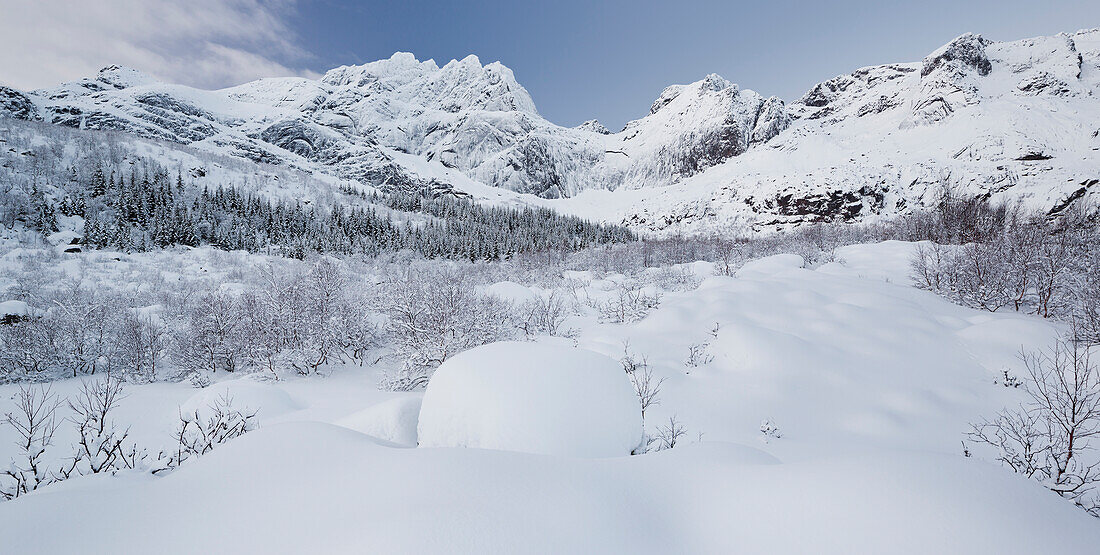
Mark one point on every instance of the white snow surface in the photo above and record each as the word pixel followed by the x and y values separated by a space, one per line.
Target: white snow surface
pixel 532 398
pixel 871 381
pixel 394 420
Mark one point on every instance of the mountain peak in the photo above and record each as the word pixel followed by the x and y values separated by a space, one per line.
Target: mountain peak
pixel 121 77
pixel 966 51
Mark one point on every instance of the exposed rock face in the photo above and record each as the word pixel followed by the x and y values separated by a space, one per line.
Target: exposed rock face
pixel 961 55
pixel 593 126
pixel 17 105
pixel 771 119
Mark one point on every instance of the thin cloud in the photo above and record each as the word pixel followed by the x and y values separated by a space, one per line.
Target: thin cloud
pixel 203 43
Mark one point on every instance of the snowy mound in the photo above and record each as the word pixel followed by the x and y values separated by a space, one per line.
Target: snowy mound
pixel 393 420
pixel 532 398
pixel 244 395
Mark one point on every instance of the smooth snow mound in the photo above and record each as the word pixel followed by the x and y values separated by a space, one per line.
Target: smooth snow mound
pixel 244 394
pixel 532 398
pixel 13 308
pixel 393 420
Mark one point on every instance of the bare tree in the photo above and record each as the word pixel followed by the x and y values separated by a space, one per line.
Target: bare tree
pixel 34 422
pixel 100 445
pixel 641 377
pixel 1049 438
pixel 434 313
pixel 669 435
pixel 201 431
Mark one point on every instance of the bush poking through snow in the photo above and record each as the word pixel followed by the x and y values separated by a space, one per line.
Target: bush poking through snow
pixel 769 430
pixel 628 305
pixel 1050 437
pixel 698 355
pixel 199 432
pixel 544 315
pixel 34 422
pixel 100 446
pixel 668 435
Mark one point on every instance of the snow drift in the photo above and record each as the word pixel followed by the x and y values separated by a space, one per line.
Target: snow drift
pixel 532 398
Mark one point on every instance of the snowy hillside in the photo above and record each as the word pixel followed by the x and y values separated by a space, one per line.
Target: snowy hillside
pixel 825 416
pixel 1016 121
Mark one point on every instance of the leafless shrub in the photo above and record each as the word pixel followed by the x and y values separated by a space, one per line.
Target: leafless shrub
pixel 672 278
pixel 628 305
pixel 210 339
pixel 434 313
pixel 100 445
pixel 1049 438
pixel 668 435
pixel 35 423
pixel 141 343
pixel 544 315
pixel 200 432
pixel 769 430
pixel 698 355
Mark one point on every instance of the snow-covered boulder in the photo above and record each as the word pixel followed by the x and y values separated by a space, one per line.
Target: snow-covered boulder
pixel 13 310
pixel 533 398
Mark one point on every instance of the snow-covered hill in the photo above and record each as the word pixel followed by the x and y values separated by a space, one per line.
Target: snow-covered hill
pixel 1011 120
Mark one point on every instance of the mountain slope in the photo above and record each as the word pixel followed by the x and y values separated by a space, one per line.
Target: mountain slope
pixel 1015 121
pixel 355 121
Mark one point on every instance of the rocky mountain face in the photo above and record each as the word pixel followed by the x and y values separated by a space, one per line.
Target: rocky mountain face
pixel 466 116
pixel 1016 122
pixel 1012 120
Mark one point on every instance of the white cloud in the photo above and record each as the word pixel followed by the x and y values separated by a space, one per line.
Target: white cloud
pixel 203 43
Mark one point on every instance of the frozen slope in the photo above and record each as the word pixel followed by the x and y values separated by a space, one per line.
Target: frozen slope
pixel 870 381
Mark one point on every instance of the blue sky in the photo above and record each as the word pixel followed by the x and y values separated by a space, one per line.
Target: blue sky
pixel 579 60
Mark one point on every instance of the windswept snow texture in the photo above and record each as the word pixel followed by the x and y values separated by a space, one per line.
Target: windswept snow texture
pixel 532 398
pixel 1015 121
pixel 871 381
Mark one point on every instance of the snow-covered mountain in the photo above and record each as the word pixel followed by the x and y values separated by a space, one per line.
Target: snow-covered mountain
pixel 1011 120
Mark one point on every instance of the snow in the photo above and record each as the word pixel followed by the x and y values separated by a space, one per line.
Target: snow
pixel 271 399
pixel 312 487
pixel 533 398
pixel 394 420
pixel 13 308
pixel 512 292
pixel 871 381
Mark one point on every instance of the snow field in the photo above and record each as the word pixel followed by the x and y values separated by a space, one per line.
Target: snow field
pixel 871 382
